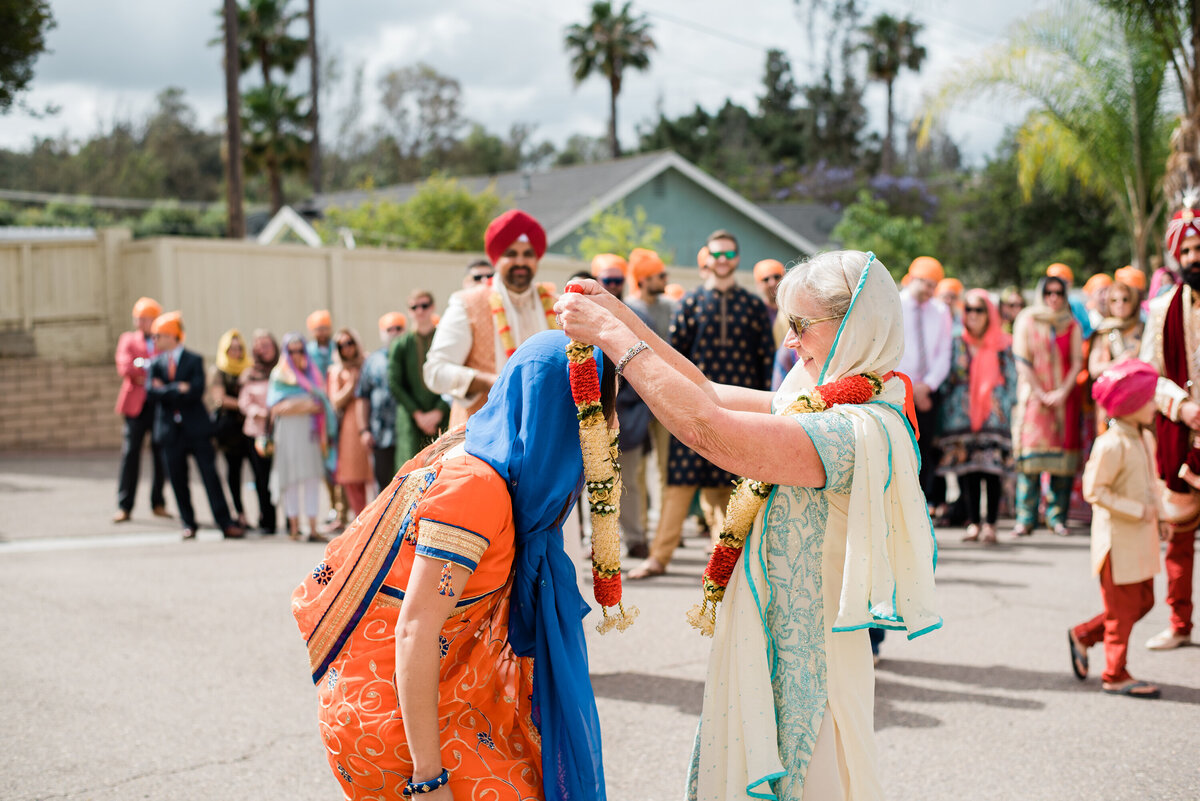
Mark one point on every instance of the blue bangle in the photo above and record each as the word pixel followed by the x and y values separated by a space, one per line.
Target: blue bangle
pixel 420 788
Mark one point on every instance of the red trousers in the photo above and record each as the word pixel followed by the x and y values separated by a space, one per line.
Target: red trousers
pixel 1181 553
pixel 1124 605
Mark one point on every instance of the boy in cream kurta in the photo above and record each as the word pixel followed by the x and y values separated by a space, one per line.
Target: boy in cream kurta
pixel 1119 481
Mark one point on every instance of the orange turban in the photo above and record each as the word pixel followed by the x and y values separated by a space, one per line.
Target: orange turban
pixel 606 260
pixel 1131 277
pixel 1096 283
pixel 1062 271
pixel 644 263
pixel 319 318
pixel 170 323
pixel 673 291
pixel 509 227
pixel 927 268
pixel 146 307
pixel 768 267
pixel 949 285
pixel 392 320
pixel 702 257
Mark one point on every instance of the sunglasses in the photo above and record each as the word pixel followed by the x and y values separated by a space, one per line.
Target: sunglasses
pixel 1050 292
pixel 421 306
pixel 296 351
pixel 800 325
pixel 975 309
pixel 613 281
pixel 394 329
pixel 481 277
pixel 345 345
pixel 772 277
pixel 729 255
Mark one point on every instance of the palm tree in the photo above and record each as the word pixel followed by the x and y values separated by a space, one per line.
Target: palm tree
pixel 1097 86
pixel 891 45
pixel 264 30
pixel 235 217
pixel 608 44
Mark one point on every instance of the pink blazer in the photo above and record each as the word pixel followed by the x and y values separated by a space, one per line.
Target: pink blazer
pixel 132 396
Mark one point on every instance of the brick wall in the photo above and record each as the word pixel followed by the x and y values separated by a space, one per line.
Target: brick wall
pixel 54 406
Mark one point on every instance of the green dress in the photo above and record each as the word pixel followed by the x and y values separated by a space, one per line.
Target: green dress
pixel 406 360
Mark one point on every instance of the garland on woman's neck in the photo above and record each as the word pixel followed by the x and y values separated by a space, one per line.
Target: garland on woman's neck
pixel 749 496
pixel 500 317
pixel 602 477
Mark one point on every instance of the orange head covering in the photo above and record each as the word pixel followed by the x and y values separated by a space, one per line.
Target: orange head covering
pixel 146 307
pixel 1060 270
pixel 605 260
pixel 644 263
pixel 509 227
pixel 319 318
pixel 673 291
pixel 949 285
pixel 768 267
pixel 927 268
pixel 1096 283
pixel 170 323
pixel 702 257
pixel 392 320
pixel 1131 277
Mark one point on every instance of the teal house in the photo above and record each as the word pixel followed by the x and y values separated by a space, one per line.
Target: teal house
pixel 686 201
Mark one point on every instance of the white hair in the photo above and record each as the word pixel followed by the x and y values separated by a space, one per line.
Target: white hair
pixel 827 280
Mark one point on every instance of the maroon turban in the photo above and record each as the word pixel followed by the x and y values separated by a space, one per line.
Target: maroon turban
pixel 1125 387
pixel 1182 225
pixel 508 228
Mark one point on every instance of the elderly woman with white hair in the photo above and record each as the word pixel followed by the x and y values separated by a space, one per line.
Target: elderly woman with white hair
pixel 827 535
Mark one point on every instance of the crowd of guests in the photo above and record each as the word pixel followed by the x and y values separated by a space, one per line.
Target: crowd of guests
pixel 316 413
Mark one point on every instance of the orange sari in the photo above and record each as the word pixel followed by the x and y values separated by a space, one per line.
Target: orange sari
pixel 457 509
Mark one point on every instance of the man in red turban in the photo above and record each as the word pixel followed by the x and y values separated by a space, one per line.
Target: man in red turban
pixel 1171 325
pixel 484 325
pixel 134 351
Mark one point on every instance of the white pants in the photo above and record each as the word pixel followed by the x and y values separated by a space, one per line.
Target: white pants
pixel 310 489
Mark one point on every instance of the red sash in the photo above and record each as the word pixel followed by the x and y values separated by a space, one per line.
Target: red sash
pixel 1174 439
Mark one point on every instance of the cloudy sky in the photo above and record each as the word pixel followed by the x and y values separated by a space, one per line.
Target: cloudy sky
pixel 111 58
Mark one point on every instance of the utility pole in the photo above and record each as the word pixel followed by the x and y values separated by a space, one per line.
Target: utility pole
pixel 235 215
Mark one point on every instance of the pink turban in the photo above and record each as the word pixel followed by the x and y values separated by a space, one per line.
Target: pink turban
pixel 1125 387
pixel 509 227
pixel 1182 225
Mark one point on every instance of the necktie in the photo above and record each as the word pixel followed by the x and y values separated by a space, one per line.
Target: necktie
pixel 171 366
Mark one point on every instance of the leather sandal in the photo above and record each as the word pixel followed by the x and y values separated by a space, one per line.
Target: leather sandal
pixel 648 568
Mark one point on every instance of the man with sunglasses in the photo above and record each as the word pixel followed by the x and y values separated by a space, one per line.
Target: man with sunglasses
pixel 484 325
pixel 767 275
pixel 724 330
pixel 928 338
pixel 1168 344
pixel 421 414
pixel 479 272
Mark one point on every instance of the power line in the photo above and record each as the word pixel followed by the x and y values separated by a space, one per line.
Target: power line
pixel 696 26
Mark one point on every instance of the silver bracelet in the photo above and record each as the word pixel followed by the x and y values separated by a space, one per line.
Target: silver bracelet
pixel 629 354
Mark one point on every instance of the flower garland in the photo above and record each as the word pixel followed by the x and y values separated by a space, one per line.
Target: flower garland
pixel 602 477
pixel 500 317
pixel 750 495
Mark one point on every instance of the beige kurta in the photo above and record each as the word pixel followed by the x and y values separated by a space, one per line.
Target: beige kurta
pixel 1120 483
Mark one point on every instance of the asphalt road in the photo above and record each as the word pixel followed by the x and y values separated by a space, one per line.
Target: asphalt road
pixel 139 666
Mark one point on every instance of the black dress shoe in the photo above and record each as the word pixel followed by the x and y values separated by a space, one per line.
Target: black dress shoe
pixel 639 550
pixel 233 532
pixel 189 533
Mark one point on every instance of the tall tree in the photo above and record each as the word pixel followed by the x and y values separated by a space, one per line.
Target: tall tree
pixel 891 45
pixel 1097 85
pixel 780 122
pixel 608 44
pixel 1174 26
pixel 272 113
pixel 314 86
pixel 235 215
pixel 23 28
pixel 424 108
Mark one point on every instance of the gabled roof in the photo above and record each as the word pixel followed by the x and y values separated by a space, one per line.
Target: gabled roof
pixel 565 198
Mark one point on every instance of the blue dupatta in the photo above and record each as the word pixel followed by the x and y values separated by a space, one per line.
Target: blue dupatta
pixel 529 433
